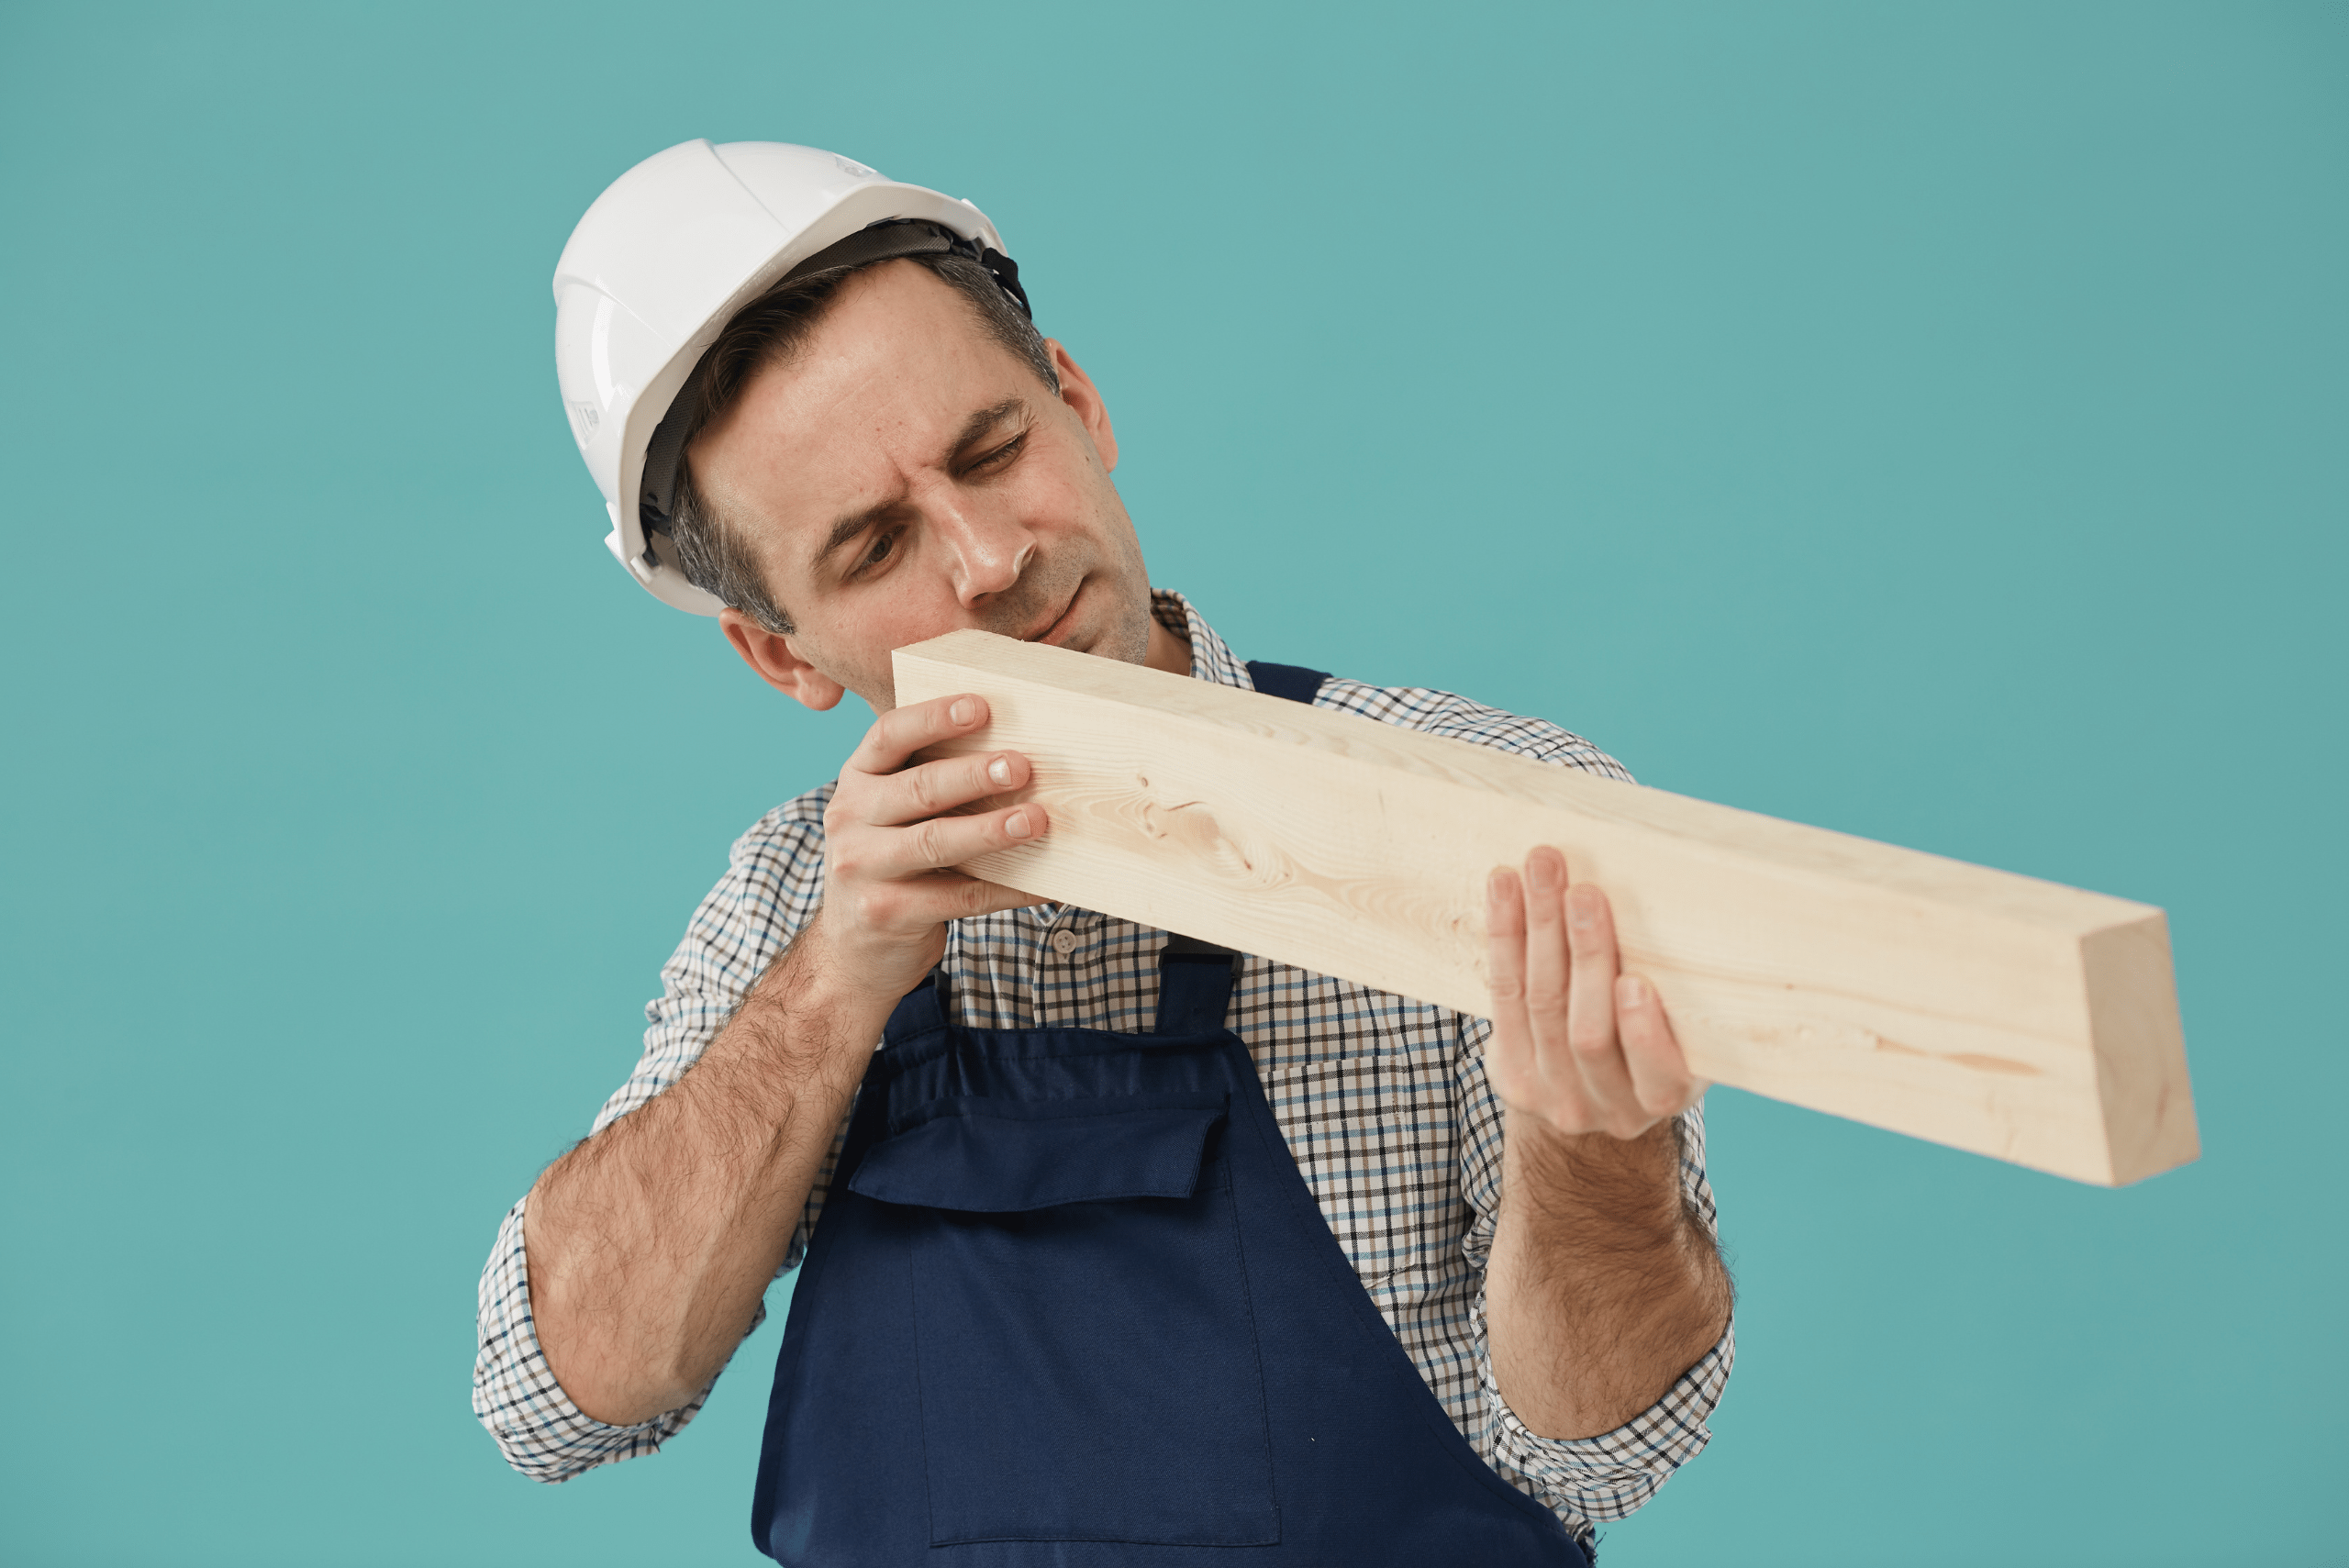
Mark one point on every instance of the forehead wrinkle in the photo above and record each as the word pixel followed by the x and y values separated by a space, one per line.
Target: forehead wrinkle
pixel 848 525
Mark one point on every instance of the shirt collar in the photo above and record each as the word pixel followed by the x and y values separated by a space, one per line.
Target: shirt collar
pixel 1211 656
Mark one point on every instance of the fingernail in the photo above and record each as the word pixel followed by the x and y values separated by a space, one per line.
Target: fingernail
pixel 963 711
pixel 1497 886
pixel 1000 770
pixel 1634 990
pixel 1017 825
pixel 1542 872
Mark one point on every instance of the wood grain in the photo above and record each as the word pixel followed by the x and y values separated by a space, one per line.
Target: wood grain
pixel 1992 1012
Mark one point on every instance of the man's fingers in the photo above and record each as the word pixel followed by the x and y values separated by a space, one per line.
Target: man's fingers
pixel 1508 1054
pixel 1660 1074
pixel 1572 1043
pixel 1504 953
pixel 895 836
pixel 968 895
pixel 925 903
pixel 932 789
pixel 904 879
pixel 1548 968
pixel 945 842
pixel 1549 982
pixel 897 734
pixel 1591 1009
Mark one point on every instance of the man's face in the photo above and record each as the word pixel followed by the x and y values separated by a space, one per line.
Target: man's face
pixel 905 475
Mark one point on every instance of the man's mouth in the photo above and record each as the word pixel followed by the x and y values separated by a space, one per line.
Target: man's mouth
pixel 1058 623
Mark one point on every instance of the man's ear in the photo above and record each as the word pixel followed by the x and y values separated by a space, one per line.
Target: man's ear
pixel 1079 393
pixel 777 663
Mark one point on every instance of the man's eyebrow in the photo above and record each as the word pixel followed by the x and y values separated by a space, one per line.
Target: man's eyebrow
pixel 845 529
pixel 987 419
pixel 977 426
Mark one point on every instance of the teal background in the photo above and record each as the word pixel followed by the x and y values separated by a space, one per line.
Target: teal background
pixel 1926 421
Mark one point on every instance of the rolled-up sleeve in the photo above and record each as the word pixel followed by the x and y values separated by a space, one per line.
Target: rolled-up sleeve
pixel 538 1430
pixel 1611 1475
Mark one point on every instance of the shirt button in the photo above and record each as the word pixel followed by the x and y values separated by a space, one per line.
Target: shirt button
pixel 1063 942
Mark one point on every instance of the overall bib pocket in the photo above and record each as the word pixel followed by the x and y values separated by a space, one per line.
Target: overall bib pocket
pixel 1081 1313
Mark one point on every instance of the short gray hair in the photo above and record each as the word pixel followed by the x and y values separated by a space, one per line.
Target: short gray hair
pixel 715 556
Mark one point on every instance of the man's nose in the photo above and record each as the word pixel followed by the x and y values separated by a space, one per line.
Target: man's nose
pixel 988 548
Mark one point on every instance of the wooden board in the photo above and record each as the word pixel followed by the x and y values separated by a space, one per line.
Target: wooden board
pixel 2015 1017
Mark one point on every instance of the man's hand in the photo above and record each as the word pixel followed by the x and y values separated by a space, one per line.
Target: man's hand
pixel 893 834
pixel 1601 1288
pixel 1578 1046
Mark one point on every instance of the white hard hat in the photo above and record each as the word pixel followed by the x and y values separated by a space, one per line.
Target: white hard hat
pixel 661 262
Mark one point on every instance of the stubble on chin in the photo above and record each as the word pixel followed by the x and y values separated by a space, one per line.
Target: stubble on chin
pixel 1132 643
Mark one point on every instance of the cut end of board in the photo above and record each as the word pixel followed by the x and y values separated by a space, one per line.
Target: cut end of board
pixel 2148 1101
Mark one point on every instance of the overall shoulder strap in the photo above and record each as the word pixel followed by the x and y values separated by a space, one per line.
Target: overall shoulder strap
pixel 1294 682
pixel 1193 985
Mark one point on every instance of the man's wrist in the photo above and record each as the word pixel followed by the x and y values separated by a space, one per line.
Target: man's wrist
pixel 1593 1182
pixel 812 1012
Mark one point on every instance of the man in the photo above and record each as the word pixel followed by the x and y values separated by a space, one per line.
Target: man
pixel 1059 1305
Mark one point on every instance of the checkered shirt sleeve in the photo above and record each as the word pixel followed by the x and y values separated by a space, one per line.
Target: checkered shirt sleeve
pixel 1383 1101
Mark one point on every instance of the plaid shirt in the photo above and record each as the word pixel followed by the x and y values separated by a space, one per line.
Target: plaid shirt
pixel 1383 1100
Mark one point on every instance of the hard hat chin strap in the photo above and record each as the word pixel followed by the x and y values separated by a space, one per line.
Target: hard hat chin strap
pixel 883 241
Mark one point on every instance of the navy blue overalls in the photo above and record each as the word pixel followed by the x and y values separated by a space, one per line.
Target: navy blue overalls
pixel 1071 1303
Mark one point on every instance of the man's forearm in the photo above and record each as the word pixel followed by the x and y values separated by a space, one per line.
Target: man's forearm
pixel 1602 1287
pixel 650 1244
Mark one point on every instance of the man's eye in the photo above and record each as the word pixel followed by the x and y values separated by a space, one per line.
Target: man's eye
pixel 879 552
pixel 1001 454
